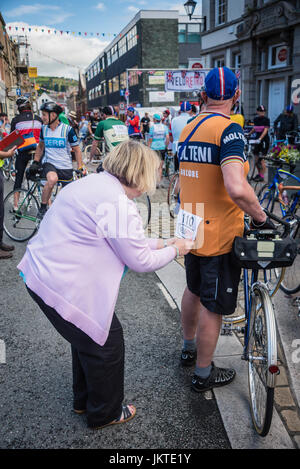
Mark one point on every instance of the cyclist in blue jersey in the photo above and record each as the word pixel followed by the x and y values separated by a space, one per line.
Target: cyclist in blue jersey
pixel 57 140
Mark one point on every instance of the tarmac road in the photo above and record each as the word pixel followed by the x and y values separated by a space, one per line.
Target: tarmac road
pixel 36 384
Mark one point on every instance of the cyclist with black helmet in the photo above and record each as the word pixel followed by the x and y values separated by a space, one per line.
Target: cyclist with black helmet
pixel 57 140
pixel 29 125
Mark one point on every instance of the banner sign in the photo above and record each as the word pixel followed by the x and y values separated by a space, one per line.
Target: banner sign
pixel 32 72
pixel 158 78
pixel 184 80
pixel 161 97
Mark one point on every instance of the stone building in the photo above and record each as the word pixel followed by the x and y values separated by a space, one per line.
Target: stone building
pixel 13 72
pixel 153 40
pixel 262 39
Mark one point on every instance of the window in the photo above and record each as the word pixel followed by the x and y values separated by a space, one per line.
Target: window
pixel 115 84
pixel 110 87
pixel 181 32
pixel 108 58
pixel 114 53
pixel 189 33
pixel 123 80
pixel 278 56
pixel 131 38
pixel 103 88
pixel 103 63
pixel 133 77
pixel 219 62
pixel 221 10
pixel 122 46
pixel 193 33
pixel 237 58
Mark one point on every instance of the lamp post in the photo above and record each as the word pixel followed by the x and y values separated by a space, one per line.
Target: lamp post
pixel 190 6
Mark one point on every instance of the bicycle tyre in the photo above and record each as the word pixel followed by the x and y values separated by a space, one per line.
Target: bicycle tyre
pixel 266 197
pixel 291 272
pixel 172 198
pixel 262 354
pixel 12 222
pixel 144 207
pixel 87 152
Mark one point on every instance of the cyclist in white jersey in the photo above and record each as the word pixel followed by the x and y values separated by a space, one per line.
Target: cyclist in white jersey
pixel 54 149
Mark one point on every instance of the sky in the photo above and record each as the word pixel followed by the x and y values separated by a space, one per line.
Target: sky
pixel 76 15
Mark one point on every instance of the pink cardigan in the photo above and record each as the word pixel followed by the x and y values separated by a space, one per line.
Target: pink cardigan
pixel 76 261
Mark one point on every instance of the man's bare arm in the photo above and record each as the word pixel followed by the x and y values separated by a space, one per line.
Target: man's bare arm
pixel 39 151
pixel 241 192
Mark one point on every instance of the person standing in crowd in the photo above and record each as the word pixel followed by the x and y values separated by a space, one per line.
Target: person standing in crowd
pixel 286 122
pixel 166 120
pixel 260 133
pixel 236 116
pixel 5 249
pixel 83 130
pixel 4 125
pixel 177 125
pixel 133 122
pixel 111 129
pixel 159 136
pixel 215 191
pixel 29 125
pixel 72 117
pixel 88 251
pixel 145 125
pixel 94 121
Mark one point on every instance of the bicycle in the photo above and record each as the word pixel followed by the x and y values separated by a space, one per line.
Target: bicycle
pixel 270 193
pixel 173 198
pixel 21 224
pixel 99 153
pixel 260 336
pixel 169 165
pixel 9 170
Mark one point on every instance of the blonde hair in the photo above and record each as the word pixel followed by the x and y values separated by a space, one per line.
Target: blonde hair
pixel 135 165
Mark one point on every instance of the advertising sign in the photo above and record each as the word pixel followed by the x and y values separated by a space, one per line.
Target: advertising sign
pixel 185 81
pixel 32 72
pixel 161 96
pixel 158 78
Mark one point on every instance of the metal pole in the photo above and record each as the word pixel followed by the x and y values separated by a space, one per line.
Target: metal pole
pixel 127 88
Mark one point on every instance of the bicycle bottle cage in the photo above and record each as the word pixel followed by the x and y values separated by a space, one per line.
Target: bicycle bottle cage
pixel 264 250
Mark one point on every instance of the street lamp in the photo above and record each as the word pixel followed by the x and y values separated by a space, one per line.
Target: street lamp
pixel 190 6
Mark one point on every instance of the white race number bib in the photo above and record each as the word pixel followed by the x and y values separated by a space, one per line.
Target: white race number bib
pixel 187 225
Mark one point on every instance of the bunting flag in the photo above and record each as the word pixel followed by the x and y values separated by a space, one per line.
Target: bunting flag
pixel 12 29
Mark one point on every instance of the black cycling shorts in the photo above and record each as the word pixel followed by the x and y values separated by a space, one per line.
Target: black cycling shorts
pixel 215 280
pixel 262 148
pixel 65 176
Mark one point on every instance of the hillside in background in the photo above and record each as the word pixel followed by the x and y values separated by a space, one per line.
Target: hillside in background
pixel 56 83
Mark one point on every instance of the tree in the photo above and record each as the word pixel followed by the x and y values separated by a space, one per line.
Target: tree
pixel 56 87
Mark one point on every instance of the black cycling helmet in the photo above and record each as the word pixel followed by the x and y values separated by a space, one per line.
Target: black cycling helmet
pixel 23 103
pixel 51 106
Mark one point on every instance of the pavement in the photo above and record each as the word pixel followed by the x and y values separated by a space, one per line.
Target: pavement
pixel 36 382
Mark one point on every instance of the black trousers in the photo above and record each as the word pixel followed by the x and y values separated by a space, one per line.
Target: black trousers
pixel 22 160
pixel 1 205
pixel 98 371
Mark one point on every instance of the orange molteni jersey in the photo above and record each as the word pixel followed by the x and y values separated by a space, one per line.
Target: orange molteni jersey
pixel 216 143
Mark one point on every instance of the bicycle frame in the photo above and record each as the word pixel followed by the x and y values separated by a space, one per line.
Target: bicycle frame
pixel 276 184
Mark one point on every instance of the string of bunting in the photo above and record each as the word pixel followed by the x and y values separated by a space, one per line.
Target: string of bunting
pixel 52 58
pixel 18 29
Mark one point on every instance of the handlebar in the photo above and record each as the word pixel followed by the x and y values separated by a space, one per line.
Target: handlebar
pixel 287 225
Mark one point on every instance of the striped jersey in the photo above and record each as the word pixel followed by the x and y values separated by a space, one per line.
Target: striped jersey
pixel 58 145
pixel 30 128
pixel 215 144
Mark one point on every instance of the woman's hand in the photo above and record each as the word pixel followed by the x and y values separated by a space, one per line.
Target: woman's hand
pixel 184 246
pixel 9 153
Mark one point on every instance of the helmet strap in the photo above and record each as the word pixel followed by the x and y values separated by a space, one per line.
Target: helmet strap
pixel 51 122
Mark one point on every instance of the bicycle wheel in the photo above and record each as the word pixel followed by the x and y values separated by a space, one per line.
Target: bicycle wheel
pixel 262 359
pixel 266 197
pixel 173 195
pixel 21 225
pixel 290 284
pixel 144 207
pixel 252 167
pixel 87 154
pixel 6 169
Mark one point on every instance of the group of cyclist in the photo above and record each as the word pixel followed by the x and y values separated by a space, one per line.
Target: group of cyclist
pixel 209 151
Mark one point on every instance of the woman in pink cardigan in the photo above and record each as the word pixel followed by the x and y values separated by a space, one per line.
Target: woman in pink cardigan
pixel 74 265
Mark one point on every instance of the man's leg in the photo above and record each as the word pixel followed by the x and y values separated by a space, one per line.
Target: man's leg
pixel 208 331
pixel 52 179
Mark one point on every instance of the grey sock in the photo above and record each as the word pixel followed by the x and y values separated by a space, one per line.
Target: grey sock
pixel 189 345
pixel 203 372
